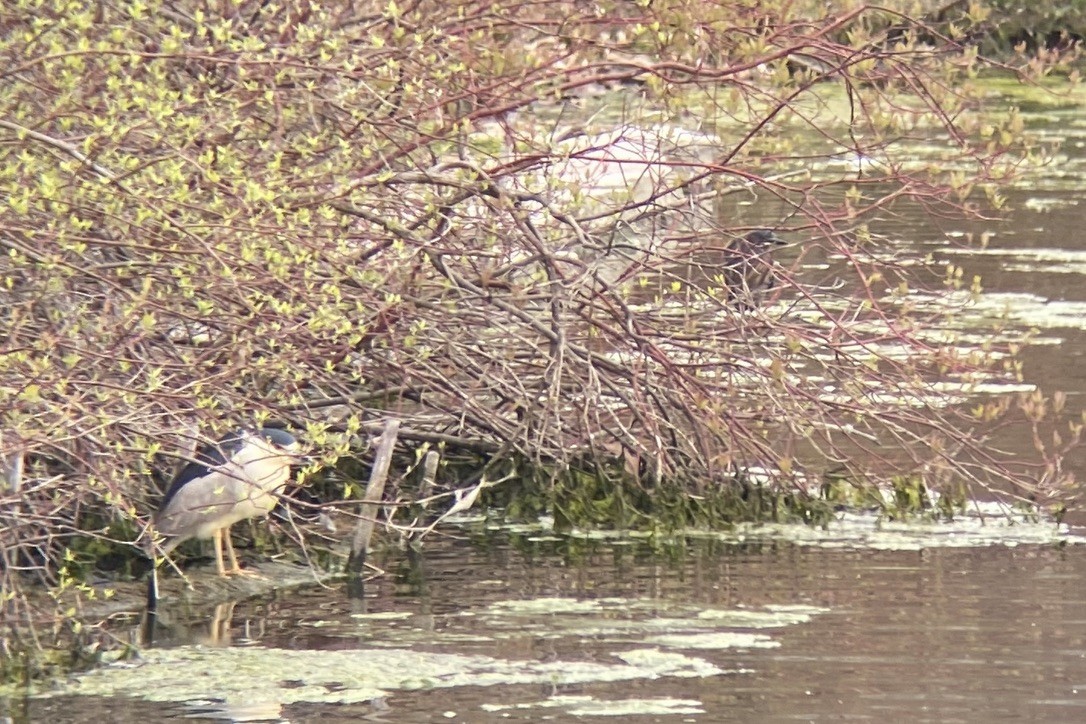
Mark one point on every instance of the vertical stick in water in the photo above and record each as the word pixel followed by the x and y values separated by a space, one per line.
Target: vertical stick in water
pixel 372 500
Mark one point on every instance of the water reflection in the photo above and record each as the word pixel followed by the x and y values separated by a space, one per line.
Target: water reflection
pixel 518 629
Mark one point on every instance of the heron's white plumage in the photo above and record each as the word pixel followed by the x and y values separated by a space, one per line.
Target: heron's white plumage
pixel 207 499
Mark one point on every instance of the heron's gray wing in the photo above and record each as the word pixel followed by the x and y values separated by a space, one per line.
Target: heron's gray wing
pixel 208 457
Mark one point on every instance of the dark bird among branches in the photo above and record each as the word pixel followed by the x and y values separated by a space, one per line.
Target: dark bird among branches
pixel 748 266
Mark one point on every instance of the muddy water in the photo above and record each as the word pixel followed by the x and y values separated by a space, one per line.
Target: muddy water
pixel 570 630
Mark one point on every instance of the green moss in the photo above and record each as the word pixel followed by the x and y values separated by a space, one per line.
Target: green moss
pixel 903 497
pixel 592 495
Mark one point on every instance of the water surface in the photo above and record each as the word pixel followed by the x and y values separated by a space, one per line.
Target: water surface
pixel 501 628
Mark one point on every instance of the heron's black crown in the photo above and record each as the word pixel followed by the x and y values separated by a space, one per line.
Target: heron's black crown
pixel 278 437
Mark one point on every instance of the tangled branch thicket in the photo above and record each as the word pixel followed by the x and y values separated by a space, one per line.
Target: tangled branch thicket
pixel 509 226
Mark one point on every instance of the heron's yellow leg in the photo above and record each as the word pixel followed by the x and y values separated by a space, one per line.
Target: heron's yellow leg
pixel 217 536
pixel 235 569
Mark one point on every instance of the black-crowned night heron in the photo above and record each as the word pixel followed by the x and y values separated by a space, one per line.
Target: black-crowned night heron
pixel 238 477
pixel 748 265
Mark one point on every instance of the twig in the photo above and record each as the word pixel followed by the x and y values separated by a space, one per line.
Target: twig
pixel 66 148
